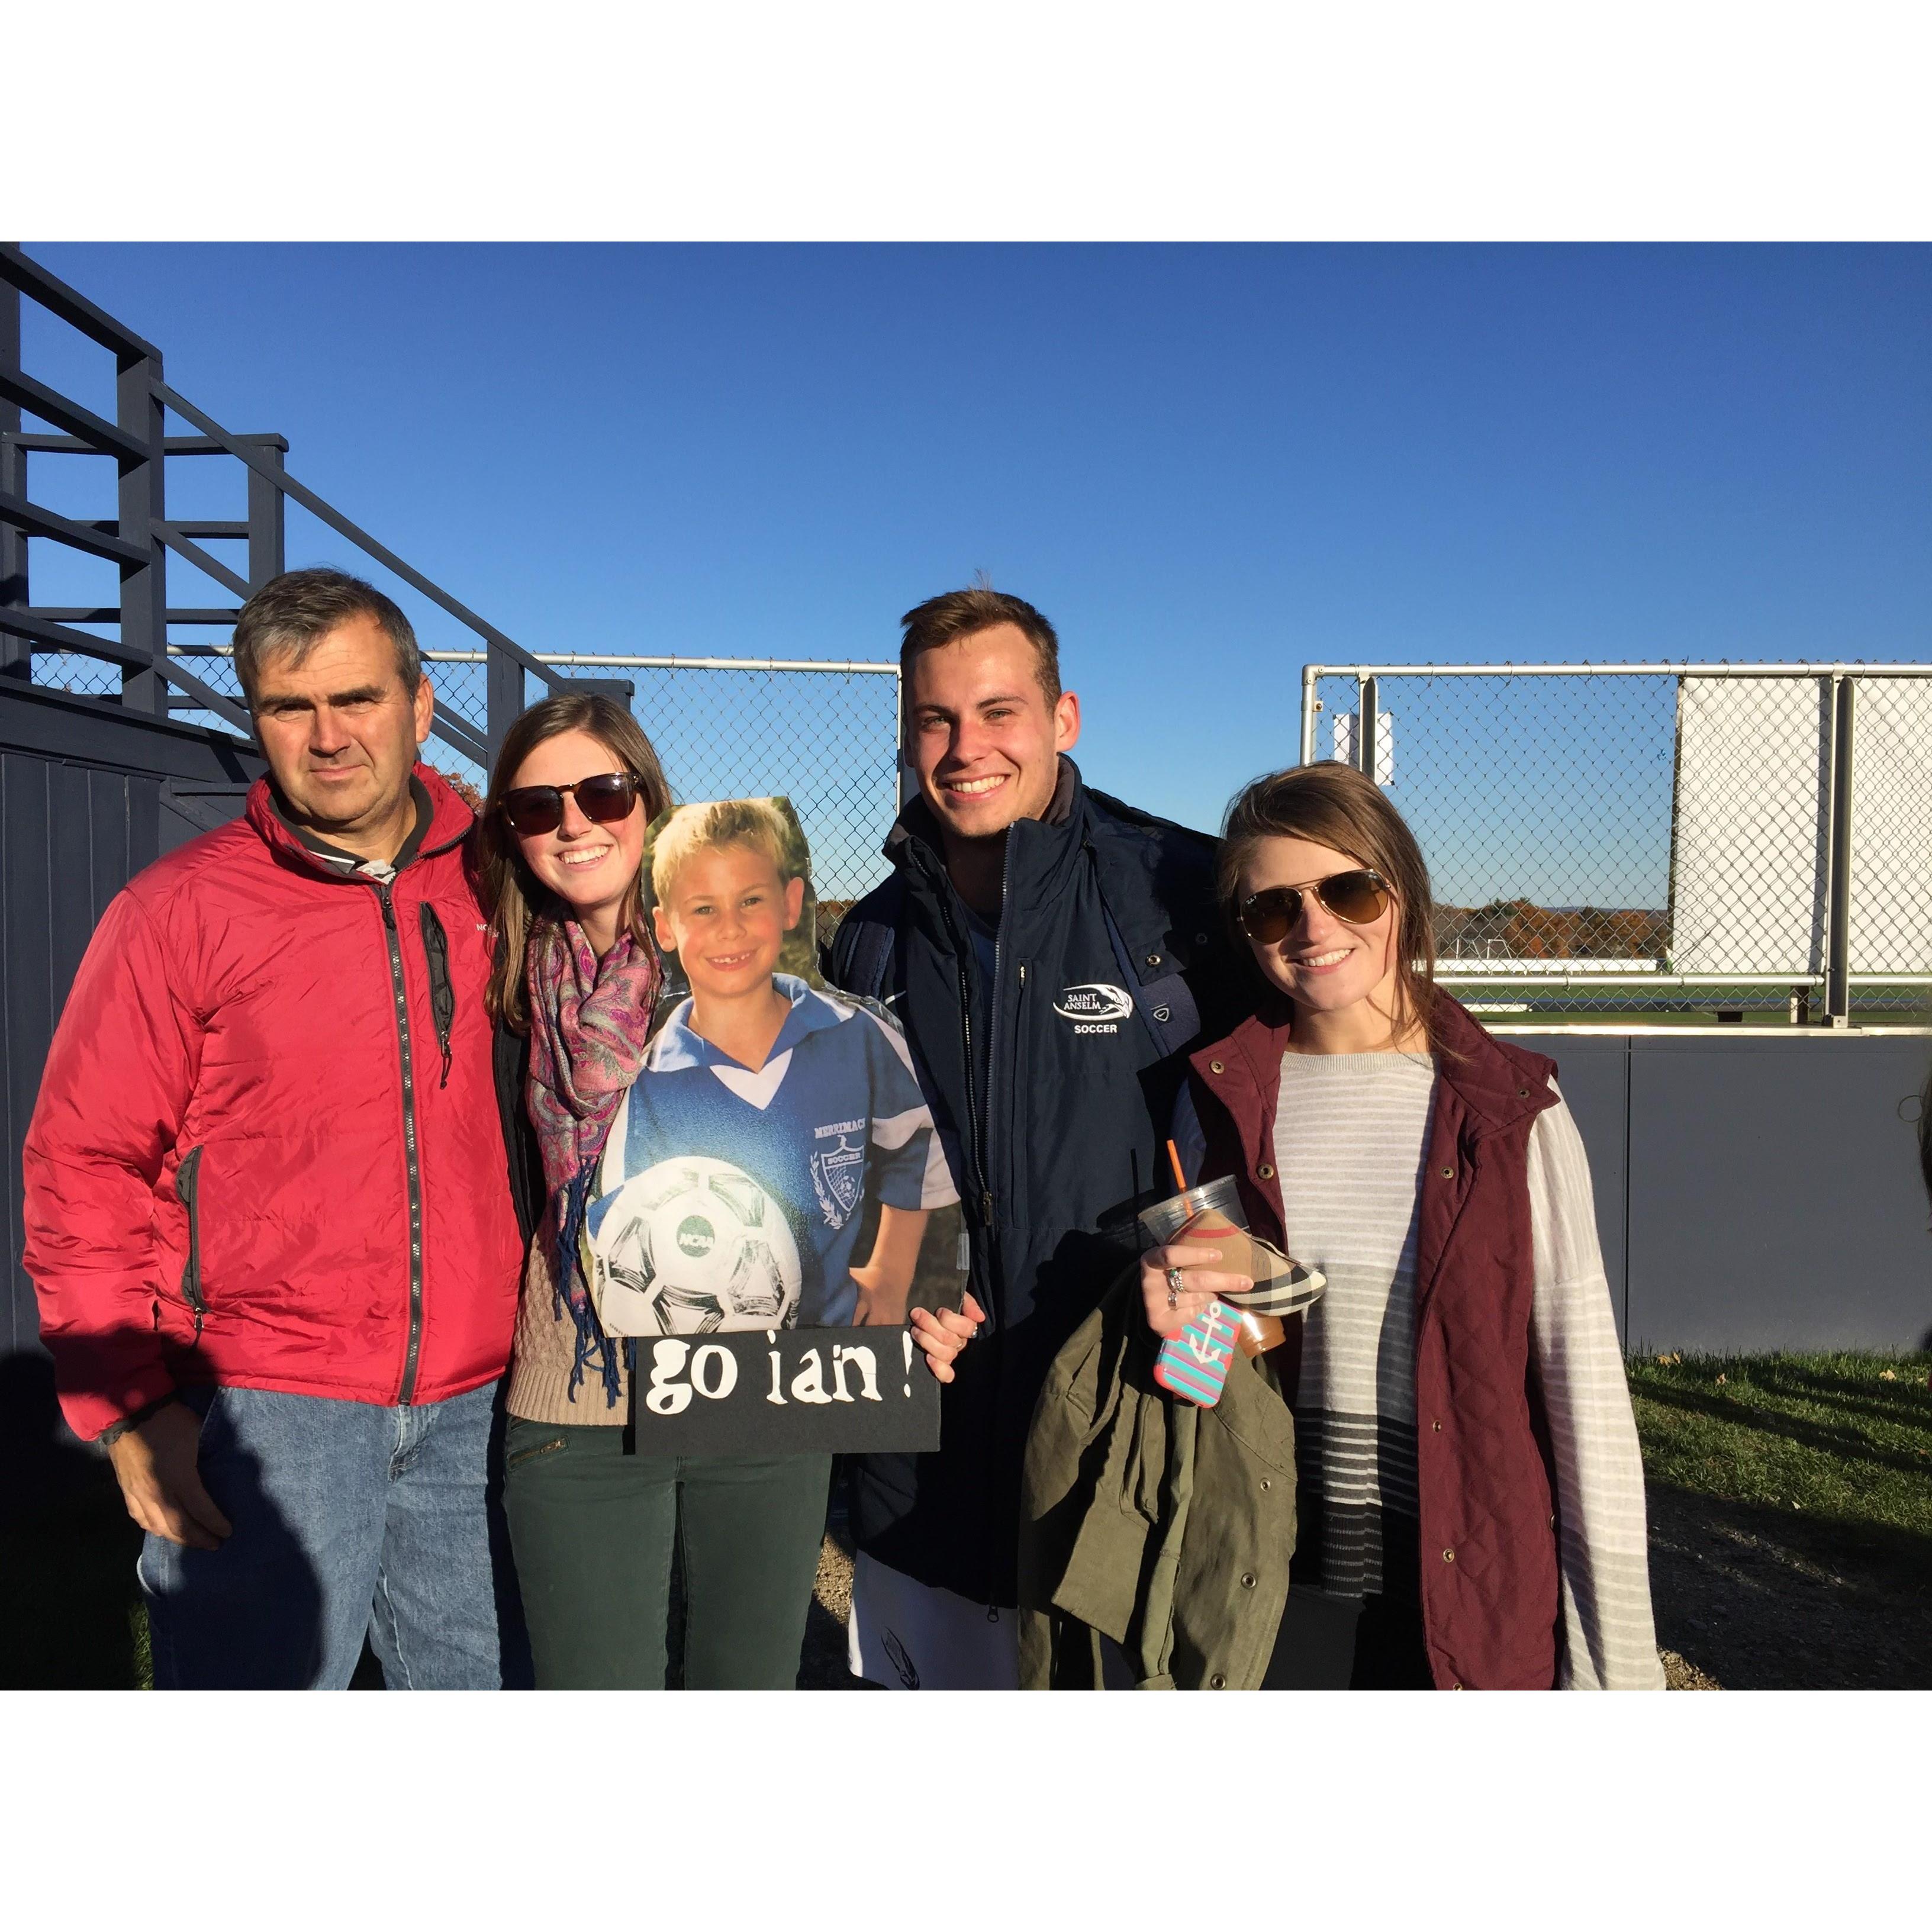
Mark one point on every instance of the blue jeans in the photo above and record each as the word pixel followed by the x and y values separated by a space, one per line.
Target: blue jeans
pixel 349 1518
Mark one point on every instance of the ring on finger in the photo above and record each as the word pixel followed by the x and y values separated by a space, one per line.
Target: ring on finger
pixel 1176 1282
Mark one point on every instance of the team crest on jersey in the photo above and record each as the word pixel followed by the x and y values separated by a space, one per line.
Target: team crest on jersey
pixel 837 1174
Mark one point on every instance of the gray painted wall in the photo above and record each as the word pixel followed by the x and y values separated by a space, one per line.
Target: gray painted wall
pixel 1755 1193
pixel 89 794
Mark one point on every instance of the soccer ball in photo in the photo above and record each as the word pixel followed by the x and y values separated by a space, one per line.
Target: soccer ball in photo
pixel 691 1245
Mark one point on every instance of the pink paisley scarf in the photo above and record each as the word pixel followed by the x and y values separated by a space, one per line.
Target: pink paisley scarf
pixel 590 1020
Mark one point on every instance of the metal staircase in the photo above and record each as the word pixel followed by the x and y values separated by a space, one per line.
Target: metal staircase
pixel 138 668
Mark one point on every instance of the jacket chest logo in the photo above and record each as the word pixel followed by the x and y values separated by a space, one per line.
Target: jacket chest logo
pixel 1094 1006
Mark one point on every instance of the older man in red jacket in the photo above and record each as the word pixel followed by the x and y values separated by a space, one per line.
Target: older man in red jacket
pixel 267 1201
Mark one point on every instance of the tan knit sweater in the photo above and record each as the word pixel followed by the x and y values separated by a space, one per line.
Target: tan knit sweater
pixel 541 1357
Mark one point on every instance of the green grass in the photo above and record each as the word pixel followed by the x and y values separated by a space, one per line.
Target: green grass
pixel 1843 1439
pixel 1790 1508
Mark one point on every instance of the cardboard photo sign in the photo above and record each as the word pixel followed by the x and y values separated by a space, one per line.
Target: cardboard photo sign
pixel 773 1199
pixel 785 1391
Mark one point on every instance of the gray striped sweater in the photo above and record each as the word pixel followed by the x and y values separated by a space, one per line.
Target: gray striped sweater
pixel 1350 1134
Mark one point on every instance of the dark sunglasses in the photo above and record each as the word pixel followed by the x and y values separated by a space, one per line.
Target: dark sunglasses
pixel 1358 899
pixel 603 799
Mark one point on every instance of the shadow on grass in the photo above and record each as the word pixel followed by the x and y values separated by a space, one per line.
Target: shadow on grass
pixel 1738 1412
pixel 1835 1594
pixel 1765 1599
pixel 1907 1402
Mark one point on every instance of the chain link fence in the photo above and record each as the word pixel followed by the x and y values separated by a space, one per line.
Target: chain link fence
pixel 827 739
pixel 1892 840
pixel 1655 844
pixel 92 677
pixel 1659 842
pixel 460 689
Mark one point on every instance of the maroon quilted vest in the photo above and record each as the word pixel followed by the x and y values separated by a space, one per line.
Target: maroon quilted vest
pixel 1490 1607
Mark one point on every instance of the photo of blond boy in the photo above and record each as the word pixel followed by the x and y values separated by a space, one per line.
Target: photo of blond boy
pixel 737 1180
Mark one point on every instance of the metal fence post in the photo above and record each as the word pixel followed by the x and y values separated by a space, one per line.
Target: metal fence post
pixel 620 690
pixel 1838 900
pixel 503 700
pixel 905 787
pixel 16 654
pixel 1366 713
pixel 1309 702
pixel 144 586
pixel 267 514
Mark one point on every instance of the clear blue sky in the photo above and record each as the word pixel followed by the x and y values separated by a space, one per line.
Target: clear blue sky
pixel 1207 465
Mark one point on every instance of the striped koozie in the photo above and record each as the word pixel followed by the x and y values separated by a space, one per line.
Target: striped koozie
pixel 1193 1365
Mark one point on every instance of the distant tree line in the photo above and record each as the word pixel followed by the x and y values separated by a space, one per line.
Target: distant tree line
pixel 1517 929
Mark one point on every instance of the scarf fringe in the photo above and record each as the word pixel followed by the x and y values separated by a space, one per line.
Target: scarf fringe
pixel 591 1339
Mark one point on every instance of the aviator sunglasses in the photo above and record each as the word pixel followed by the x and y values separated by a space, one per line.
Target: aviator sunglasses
pixel 603 799
pixel 1358 898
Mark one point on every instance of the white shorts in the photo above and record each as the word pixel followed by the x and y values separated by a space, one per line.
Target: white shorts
pixel 914 1636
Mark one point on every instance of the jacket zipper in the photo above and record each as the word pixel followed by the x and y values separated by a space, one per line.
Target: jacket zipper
pixel 993 1040
pixel 1015 1203
pixel 978 1123
pixel 187 1178
pixel 972 1084
pixel 973 1124
pixel 407 1394
pixel 442 990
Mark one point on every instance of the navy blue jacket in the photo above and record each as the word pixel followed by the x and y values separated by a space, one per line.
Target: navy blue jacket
pixel 1052 1088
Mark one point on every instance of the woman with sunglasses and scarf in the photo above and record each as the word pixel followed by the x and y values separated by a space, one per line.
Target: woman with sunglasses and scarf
pixel 576 983
pixel 1472 1506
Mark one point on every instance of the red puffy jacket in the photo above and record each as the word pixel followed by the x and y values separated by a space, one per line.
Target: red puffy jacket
pixel 266 1151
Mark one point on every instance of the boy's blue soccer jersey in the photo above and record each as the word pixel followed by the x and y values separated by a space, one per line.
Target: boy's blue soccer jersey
pixel 834 1118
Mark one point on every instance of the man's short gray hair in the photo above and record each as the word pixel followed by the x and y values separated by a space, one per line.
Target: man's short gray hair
pixel 294 612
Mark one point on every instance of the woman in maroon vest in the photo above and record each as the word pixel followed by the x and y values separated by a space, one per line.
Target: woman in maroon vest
pixel 1472 1506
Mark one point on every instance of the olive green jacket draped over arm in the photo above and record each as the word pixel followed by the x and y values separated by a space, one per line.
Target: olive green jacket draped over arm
pixel 1165 1527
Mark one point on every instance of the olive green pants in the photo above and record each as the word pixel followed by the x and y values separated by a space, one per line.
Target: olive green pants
pixel 594 1531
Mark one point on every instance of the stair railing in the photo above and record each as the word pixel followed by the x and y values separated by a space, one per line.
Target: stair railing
pixel 138 541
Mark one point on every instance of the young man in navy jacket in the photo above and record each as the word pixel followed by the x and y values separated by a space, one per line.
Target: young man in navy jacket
pixel 1050 953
